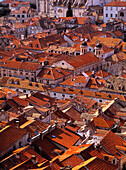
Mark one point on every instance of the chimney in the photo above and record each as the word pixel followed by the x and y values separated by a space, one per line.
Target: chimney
pixel 2 112
pixel 41 136
pixel 49 128
pixel 33 159
pixel 17 156
pixel 22 37
pixel 100 110
pixel 56 124
pixel 26 96
pixel 17 122
pixel 9 95
pixel 13 26
pixel 55 106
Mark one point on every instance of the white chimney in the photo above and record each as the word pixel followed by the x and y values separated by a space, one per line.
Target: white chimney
pixel 22 37
pixel 13 26
pixel 9 95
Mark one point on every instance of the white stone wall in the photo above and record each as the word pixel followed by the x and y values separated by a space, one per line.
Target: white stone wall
pixel 112 12
pixel 108 54
pixel 63 64
pixel 64 95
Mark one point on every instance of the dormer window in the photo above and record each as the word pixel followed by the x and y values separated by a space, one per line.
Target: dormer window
pixel 36 85
pixel 30 45
pixel 16 82
pixel 48 72
pixel 11 81
pixel 30 84
pixel 36 45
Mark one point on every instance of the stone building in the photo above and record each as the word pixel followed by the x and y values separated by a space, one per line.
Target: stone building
pixel 59 8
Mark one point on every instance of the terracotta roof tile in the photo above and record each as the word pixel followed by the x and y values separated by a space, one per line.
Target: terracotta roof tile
pixel 10 135
pixel 98 164
pixel 100 122
pixel 63 137
pixel 110 141
pixel 47 147
pixel 84 59
pixel 119 4
pixel 21 65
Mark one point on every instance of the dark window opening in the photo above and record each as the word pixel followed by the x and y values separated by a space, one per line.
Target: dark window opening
pixel 121 14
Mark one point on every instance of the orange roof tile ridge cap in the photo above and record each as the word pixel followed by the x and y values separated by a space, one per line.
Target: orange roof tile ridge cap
pixel 5 128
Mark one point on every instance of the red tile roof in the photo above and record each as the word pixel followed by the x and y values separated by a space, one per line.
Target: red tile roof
pixel 110 141
pixel 21 102
pixel 10 135
pixel 63 137
pixel 73 160
pixel 84 59
pixel 99 164
pixel 118 4
pixel 53 73
pixel 47 146
pixel 21 65
pixel 101 122
pixel 73 114
pixel 102 74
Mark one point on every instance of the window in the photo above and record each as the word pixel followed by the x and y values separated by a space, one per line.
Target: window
pixel 32 79
pixel 20 144
pixel 100 101
pixel 14 147
pixel 111 15
pixel 54 94
pixel 30 45
pixel 111 8
pixel 36 45
pixel 115 15
pixel 36 85
pixel 121 14
pixel 62 63
pixel 106 8
pixel 22 16
pixel 63 95
pixel 114 161
pixel 18 16
pixel 106 15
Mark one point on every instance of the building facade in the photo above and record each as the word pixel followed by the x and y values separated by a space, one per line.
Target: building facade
pixel 114 10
